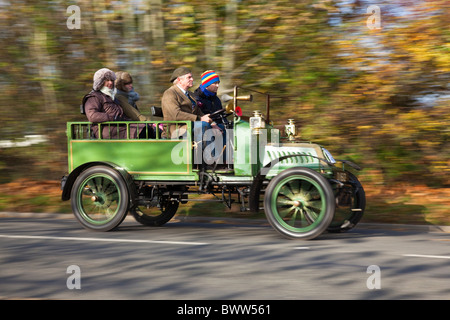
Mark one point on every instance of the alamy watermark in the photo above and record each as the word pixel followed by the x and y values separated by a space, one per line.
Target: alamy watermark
pixel 213 146
pixel 374 20
pixel 374 280
pixel 74 280
pixel 74 21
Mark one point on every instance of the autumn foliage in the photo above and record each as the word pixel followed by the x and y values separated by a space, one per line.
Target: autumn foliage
pixel 378 95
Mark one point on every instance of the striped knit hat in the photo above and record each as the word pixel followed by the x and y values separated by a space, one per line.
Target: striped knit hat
pixel 208 78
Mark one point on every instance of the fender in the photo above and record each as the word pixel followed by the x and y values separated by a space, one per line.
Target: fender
pixel 68 181
pixel 255 189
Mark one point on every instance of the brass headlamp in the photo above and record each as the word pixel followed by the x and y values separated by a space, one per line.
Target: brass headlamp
pixel 290 129
pixel 257 122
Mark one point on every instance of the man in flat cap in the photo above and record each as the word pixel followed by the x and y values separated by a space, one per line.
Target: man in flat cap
pixel 178 104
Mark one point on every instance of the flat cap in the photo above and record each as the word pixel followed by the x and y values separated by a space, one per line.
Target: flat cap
pixel 179 72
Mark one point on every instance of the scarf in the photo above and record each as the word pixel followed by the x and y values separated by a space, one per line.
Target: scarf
pixel 206 92
pixel 109 92
pixel 132 96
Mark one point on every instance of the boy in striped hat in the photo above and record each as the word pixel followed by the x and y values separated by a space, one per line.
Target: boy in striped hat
pixel 209 102
pixel 206 93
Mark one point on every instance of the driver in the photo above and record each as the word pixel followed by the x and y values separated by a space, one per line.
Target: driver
pixel 206 93
pixel 178 104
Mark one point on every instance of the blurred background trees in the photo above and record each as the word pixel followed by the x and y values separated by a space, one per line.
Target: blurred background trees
pixel 378 95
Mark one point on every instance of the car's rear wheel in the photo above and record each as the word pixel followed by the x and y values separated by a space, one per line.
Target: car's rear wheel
pixel 155 216
pixel 100 198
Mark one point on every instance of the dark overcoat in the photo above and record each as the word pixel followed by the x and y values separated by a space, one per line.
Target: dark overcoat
pixel 99 108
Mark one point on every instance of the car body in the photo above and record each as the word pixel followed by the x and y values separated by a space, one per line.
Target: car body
pixel 303 190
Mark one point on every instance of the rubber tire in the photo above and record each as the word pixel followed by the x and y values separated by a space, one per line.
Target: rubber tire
pixel 354 217
pixel 159 220
pixel 316 227
pixel 112 178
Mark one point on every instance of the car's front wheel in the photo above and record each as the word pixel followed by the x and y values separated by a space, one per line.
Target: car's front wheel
pixel 299 203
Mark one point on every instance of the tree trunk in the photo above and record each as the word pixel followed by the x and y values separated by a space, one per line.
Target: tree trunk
pixel 228 55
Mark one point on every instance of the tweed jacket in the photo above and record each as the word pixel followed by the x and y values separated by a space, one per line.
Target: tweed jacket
pixel 177 107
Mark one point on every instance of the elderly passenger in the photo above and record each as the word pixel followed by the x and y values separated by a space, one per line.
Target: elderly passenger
pixel 127 97
pixel 100 106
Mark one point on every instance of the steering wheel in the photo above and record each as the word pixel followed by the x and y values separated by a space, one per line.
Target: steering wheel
pixel 220 114
pixel 217 113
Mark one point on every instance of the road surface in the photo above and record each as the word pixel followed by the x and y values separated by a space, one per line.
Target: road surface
pixel 53 257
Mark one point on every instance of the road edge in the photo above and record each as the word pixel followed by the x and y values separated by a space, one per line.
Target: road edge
pixel 238 221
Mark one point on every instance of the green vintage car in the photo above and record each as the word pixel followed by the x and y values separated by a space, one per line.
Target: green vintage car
pixel 302 189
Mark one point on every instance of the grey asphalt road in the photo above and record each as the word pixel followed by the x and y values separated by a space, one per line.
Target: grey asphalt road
pixel 53 257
